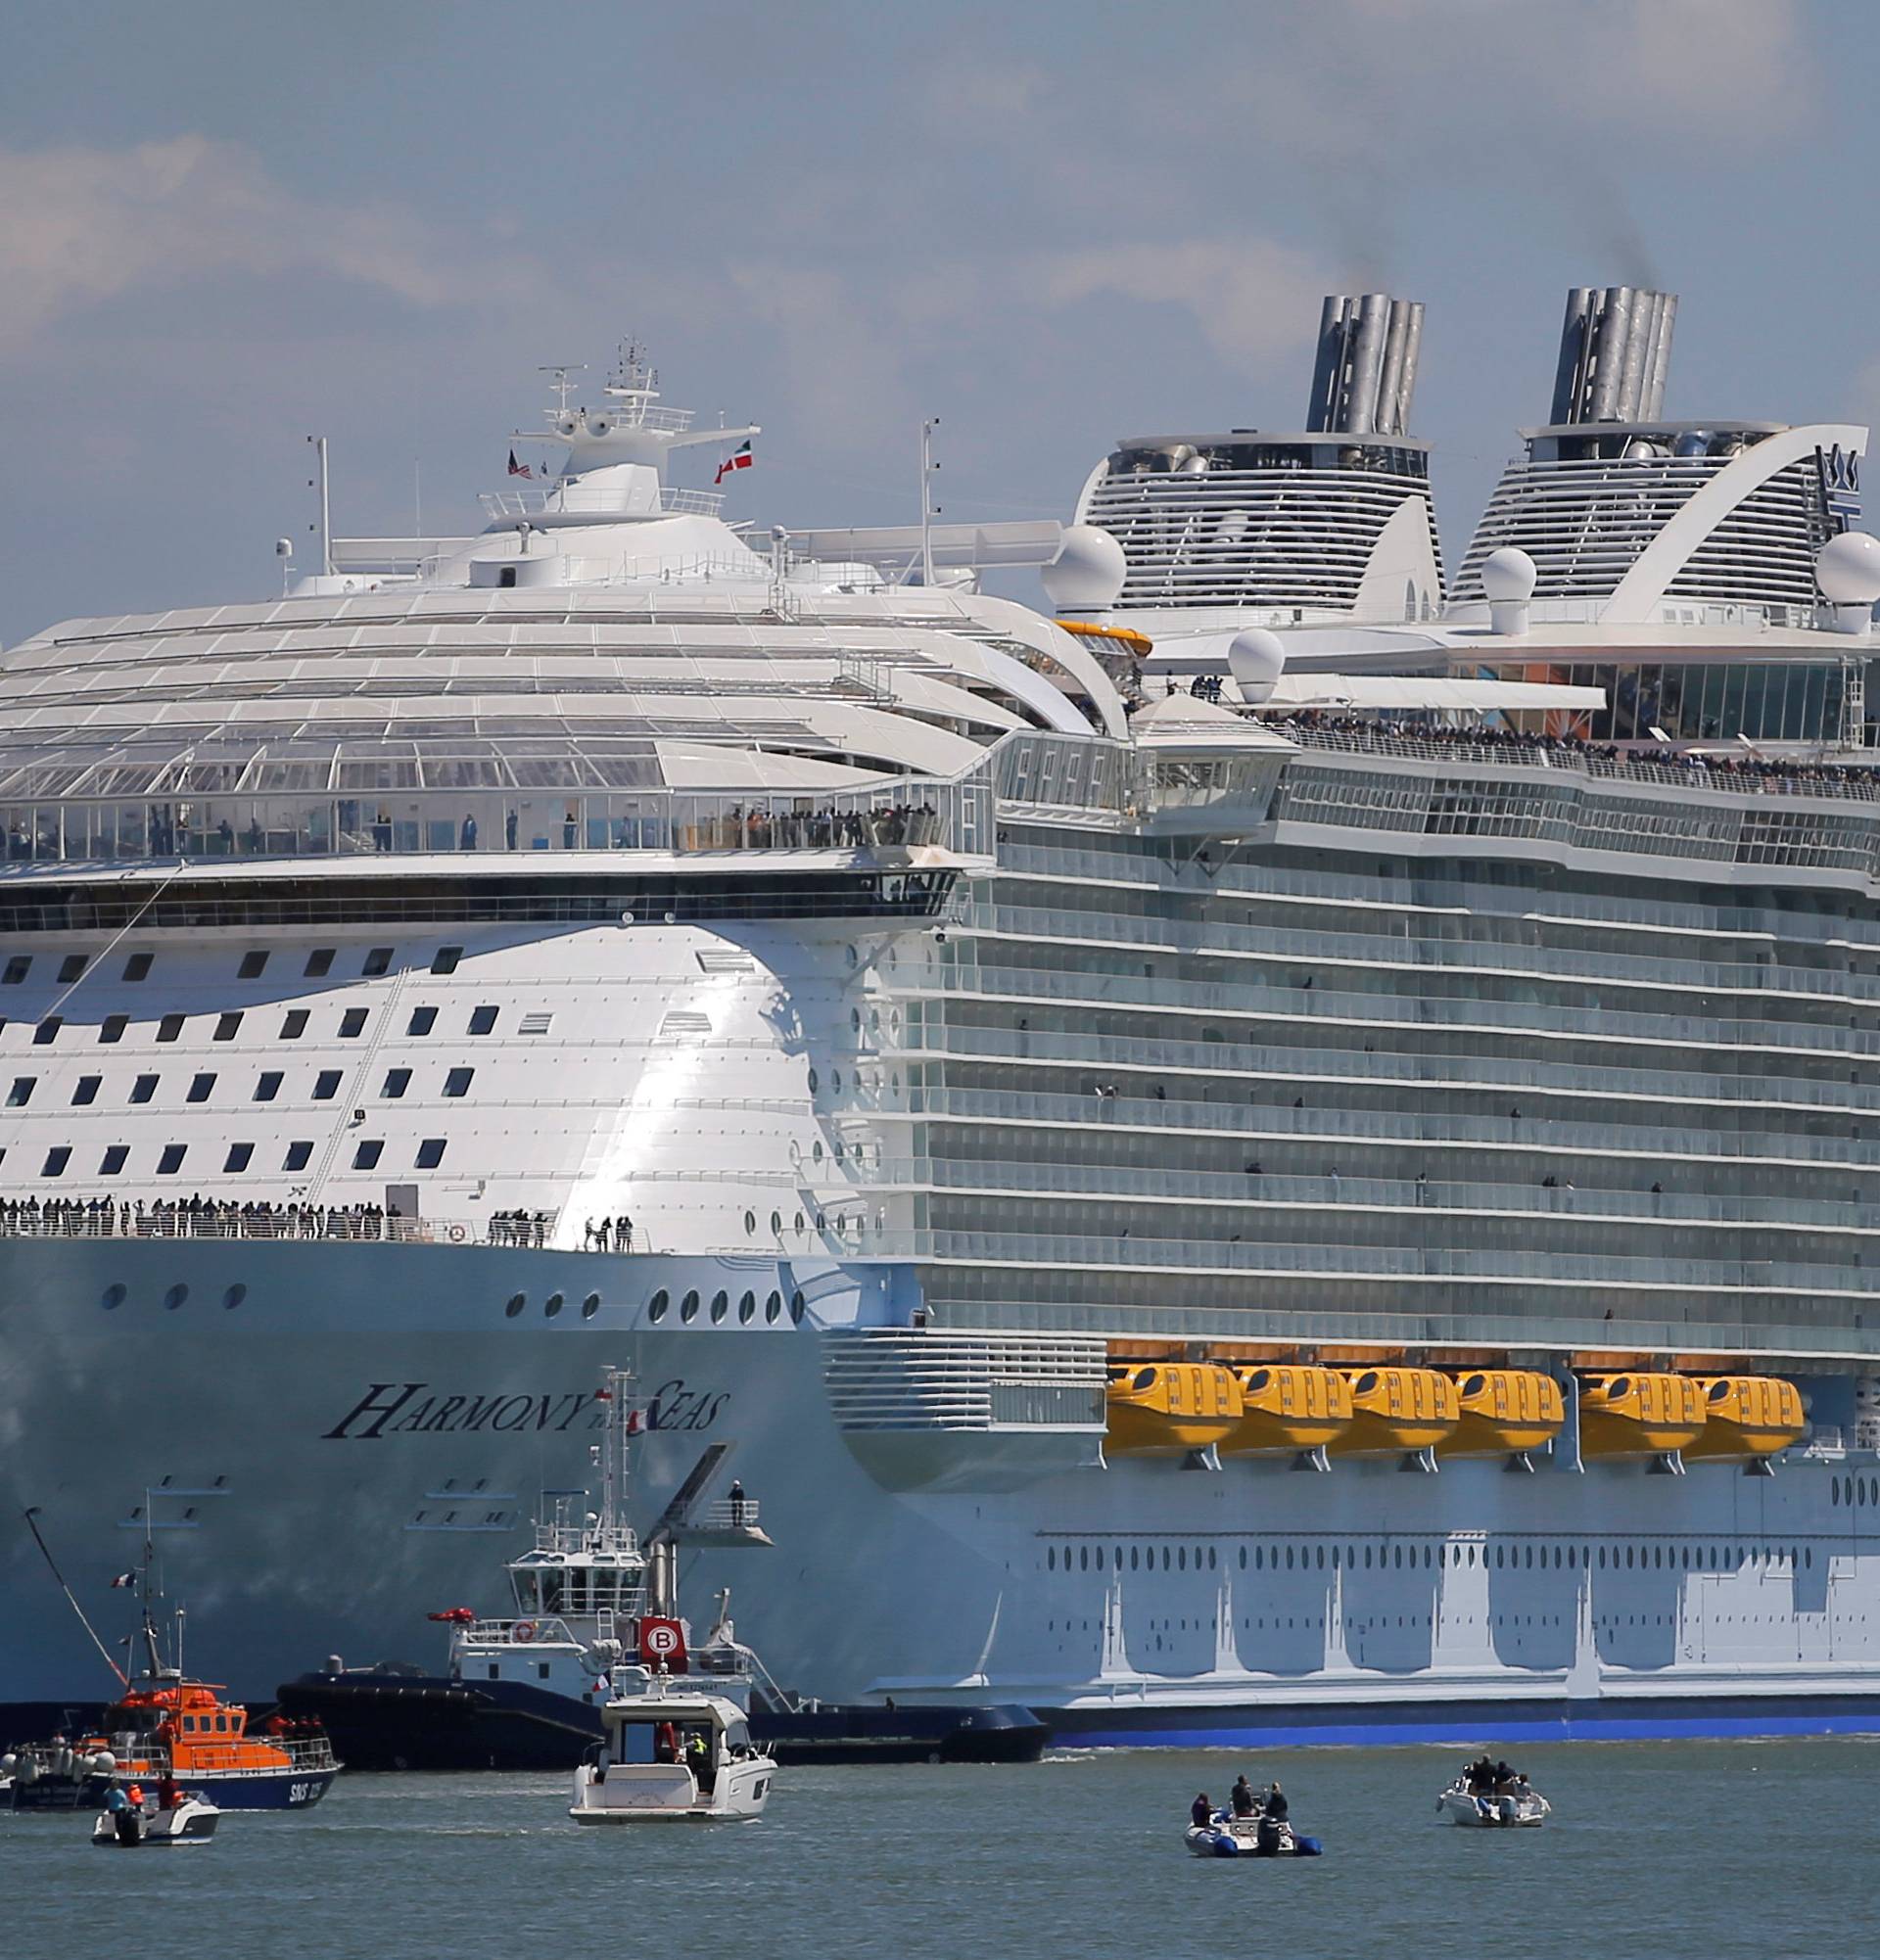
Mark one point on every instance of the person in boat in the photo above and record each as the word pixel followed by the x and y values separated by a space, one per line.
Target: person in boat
pixel 1275 1807
pixel 1241 1799
pixel 1482 1775
pixel 698 1759
pixel 135 1796
pixel 665 1743
pixel 168 1796
pixel 1504 1779
pixel 116 1802
pixel 1200 1813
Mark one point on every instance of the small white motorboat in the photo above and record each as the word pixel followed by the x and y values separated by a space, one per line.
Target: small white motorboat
pixel 190 1820
pixel 669 1753
pixel 1509 1805
pixel 1226 1836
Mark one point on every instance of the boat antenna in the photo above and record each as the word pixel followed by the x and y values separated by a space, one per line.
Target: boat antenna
pixel 927 507
pixel 45 1551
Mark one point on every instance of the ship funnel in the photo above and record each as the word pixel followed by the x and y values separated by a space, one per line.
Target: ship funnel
pixel 1615 347
pixel 1366 371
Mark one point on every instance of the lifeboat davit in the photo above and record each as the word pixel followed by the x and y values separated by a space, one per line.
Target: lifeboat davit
pixel 1168 1408
pixel 1504 1411
pixel 1639 1415
pixel 1396 1411
pixel 1747 1416
pixel 1289 1407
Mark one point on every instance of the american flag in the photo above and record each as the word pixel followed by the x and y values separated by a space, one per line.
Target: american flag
pixel 517 469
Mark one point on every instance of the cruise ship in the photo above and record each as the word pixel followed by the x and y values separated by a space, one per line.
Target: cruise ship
pixel 1279 1148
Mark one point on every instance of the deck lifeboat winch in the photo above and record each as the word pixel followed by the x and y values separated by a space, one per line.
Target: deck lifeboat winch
pixel 1504 1411
pixel 1286 1408
pixel 1638 1415
pixel 1746 1417
pixel 1171 1408
pixel 1396 1411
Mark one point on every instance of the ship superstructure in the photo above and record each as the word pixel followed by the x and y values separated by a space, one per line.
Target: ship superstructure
pixel 956 1064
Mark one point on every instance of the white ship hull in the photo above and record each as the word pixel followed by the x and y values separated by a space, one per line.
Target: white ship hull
pixel 367 1475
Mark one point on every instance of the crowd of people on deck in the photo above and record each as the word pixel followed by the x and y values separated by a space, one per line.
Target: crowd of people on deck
pixel 520 1228
pixel 195 1217
pixel 1733 770
pixel 792 829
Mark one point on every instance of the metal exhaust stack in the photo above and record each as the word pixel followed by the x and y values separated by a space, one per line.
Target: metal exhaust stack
pixel 1366 372
pixel 1614 350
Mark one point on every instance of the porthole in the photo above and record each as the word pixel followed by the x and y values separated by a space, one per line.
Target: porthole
pixel 516 1304
pixel 552 1305
pixel 1083 1558
pixel 721 1306
pixel 853 956
pixel 1834 1490
pixel 746 1309
pixel 590 1306
pixel 750 1222
pixel 816 1150
pixel 816 1082
pixel 835 1080
pixel 776 1224
pixel 1243 1558
pixel 235 1296
pixel 1050 1558
pixel 875 1020
pixel 688 1309
pixel 657 1305
pixel 854 1020
pixel 175 1297
pixel 799 1221
pixel 773 1307
pixel 796 1308
pixel 113 1297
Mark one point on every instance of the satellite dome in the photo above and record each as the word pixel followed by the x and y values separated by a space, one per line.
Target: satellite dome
pixel 1256 658
pixel 1088 573
pixel 1846 567
pixel 1508 576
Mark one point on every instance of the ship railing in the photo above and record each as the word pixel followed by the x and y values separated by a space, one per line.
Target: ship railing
pixel 726 1513
pixel 545 1629
pixel 1852 782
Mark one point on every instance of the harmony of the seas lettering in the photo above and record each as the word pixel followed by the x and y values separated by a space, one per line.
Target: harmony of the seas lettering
pixel 414 1407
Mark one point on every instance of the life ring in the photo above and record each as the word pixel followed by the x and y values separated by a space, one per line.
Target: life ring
pixel 455 1233
pixel 524 1629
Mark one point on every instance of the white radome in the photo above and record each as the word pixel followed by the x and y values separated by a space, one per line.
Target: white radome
pixel 1508 576
pixel 1256 658
pixel 1846 567
pixel 1088 573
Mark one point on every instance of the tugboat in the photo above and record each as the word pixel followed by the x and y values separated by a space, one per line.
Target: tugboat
pixel 166 1725
pixel 594 1610
pixel 672 1755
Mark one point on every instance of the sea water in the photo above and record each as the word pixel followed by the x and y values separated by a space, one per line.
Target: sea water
pixel 1688 1852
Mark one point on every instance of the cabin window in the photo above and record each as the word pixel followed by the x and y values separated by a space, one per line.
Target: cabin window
pixel 21 1094
pixel 137 966
pixel 298 1156
pixel 222 1725
pixel 268 1086
pixel 227 1027
pixel 721 1302
pixel 295 1025
pixel 397 1082
pixel 86 1090
pixel 657 1305
pixel 47 1032
pixel 55 1161
pixel 689 1308
pixel 1366 1383
pixel 366 1156
pixel 72 967
pixel 113 1027
pixel 542 1670
pixel 319 963
pixel 430 1153
pixel 483 1020
pixel 253 966
pixel 457 1080
pixel 352 1023
pixel 143 1089
pixel 446 959
pixel 1145 1378
pixel 169 1028
pixel 377 962
pixel 18 967
pixel 200 1087
pixel 326 1084
pixel 238 1157
pixel 113 1160
pixel 422 1021
pixel 172 1160
pixel 1475 1385
pixel 773 1307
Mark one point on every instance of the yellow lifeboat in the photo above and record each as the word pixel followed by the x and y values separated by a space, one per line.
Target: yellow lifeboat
pixel 1167 1408
pixel 1504 1411
pixel 1747 1416
pixel 1396 1411
pixel 1638 1415
pixel 1289 1407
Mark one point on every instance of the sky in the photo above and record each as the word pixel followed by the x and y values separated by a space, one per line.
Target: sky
pixel 225 226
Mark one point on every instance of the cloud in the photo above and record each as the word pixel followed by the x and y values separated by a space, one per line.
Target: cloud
pixel 83 225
